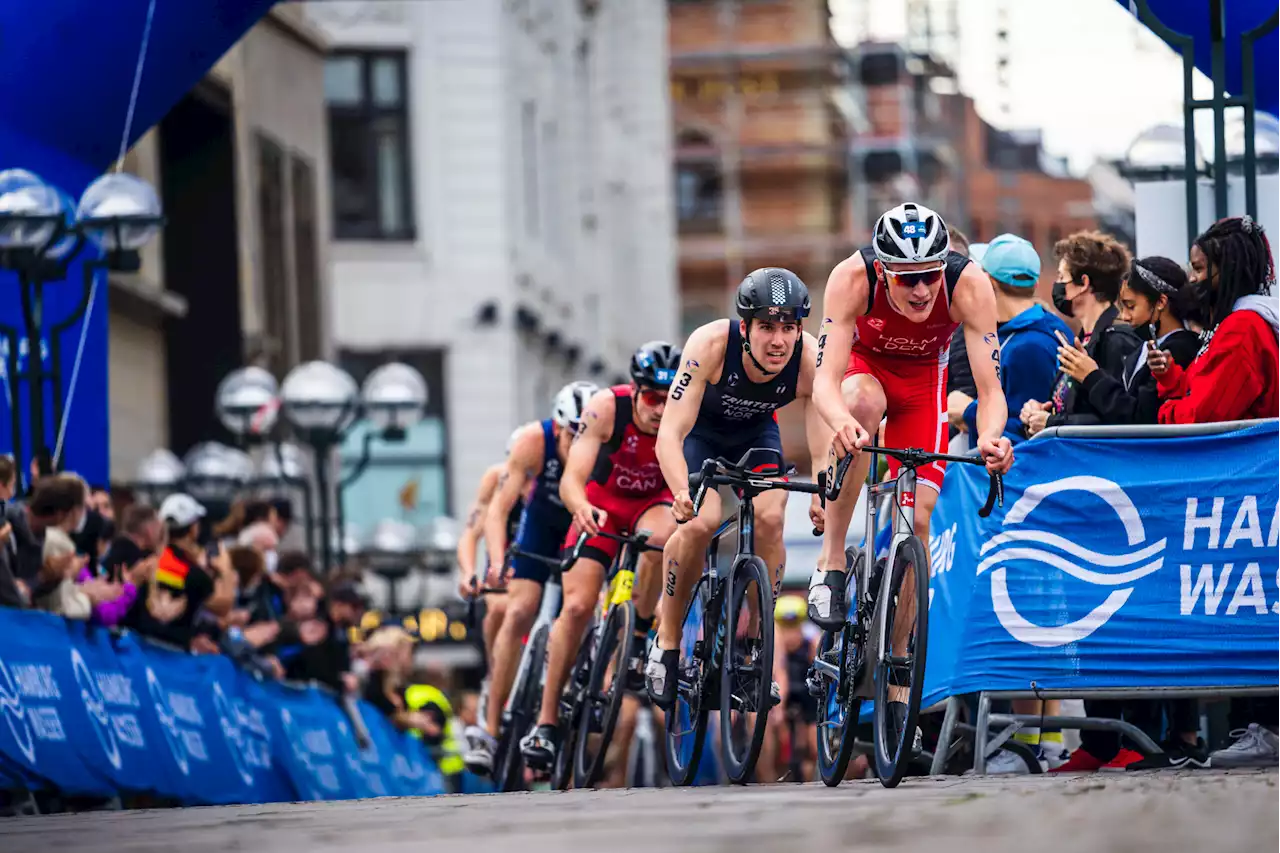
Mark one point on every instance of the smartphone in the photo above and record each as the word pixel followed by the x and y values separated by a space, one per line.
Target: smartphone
pixel 1061 338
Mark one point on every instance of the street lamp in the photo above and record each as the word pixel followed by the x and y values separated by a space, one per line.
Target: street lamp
pixel 247 402
pixel 159 474
pixel 41 233
pixel 321 402
pixel 391 552
pixel 216 471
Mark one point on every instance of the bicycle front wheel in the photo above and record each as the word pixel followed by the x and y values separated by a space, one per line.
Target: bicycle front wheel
pixel 603 699
pixel 746 672
pixel 572 705
pixel 526 696
pixel 900 651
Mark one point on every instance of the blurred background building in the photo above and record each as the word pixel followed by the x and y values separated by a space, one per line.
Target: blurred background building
pixel 238 274
pixel 502 216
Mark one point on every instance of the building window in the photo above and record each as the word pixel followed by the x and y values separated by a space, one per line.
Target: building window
pixel 369 145
pixel 409 480
pixel 306 260
pixel 699 188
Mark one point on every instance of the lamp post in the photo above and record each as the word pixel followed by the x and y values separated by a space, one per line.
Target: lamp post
pixel 321 402
pixel 41 233
pixel 159 474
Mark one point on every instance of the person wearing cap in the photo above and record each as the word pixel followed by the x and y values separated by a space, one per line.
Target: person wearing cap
pixel 185 579
pixel 1028 345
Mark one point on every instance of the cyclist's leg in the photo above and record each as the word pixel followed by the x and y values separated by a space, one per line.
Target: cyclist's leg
pixel 683 559
pixel 495 610
pixel 656 518
pixel 581 586
pixel 865 395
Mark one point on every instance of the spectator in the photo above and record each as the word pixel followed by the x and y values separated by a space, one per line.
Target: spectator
pixel 261 536
pixel 8 478
pixel 1091 268
pixel 1026 335
pixel 141 534
pixel 328 660
pixel 1234 375
pixel 10 593
pixel 959 377
pixel 186 578
pixel 100 501
pixel 56 501
pixel 283 517
pixel 1156 303
pixel 258 599
pixel 390 655
pixel 59 592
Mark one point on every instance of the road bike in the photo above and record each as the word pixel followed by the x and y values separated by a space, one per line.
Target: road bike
pixel 726 647
pixel 592 700
pixel 521 711
pixel 841 676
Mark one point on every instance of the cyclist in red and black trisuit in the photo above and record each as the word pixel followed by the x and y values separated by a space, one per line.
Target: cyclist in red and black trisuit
pixel 612 482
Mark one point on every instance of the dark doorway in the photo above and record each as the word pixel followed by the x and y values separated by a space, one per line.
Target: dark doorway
pixel 201 260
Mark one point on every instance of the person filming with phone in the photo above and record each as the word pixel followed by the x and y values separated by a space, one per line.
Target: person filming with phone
pixel 1091 269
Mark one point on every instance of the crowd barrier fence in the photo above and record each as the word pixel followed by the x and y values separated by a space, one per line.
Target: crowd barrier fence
pixel 101 713
pixel 1136 562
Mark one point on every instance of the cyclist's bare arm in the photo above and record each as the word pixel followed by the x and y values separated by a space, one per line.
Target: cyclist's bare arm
pixel 703 359
pixel 974 305
pixel 525 459
pixel 816 431
pixel 844 301
pixel 598 426
pixel 473 530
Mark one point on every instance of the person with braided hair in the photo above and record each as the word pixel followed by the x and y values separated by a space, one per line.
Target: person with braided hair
pixel 1234 376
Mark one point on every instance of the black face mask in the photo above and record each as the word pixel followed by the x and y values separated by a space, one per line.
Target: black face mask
pixel 1144 331
pixel 1060 300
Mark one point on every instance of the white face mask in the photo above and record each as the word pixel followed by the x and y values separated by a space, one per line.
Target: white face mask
pixel 271 558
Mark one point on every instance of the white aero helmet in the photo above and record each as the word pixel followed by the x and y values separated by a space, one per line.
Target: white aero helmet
pixel 910 234
pixel 571 402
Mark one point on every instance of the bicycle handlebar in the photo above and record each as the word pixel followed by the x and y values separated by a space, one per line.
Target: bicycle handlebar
pixel 721 472
pixel 561 564
pixel 914 458
pixel 639 539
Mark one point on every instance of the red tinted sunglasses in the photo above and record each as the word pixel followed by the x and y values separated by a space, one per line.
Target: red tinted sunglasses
pixel 652 397
pixel 914 277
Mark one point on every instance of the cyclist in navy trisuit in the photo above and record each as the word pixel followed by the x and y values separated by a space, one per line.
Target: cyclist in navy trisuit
pixel 736 375
pixel 533 470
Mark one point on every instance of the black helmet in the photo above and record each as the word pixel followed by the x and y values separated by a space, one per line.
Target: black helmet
pixel 654 364
pixel 773 294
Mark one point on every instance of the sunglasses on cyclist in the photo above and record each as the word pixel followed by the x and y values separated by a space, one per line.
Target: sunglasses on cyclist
pixel 653 397
pixel 911 278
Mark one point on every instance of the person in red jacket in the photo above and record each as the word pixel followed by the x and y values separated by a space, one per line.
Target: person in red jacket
pixel 1234 377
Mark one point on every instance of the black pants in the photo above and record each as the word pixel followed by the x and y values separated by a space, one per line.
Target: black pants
pixel 1184 716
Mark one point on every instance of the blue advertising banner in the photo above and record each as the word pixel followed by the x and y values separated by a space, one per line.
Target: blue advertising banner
pixel 1115 562
pixel 93 712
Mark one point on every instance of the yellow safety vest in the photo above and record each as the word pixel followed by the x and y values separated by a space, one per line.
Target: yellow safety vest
pixel 418 696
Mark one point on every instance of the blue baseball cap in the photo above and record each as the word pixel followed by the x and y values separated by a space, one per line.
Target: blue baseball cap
pixel 977 251
pixel 1011 260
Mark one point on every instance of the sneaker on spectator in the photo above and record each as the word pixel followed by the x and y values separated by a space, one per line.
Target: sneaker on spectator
pixel 1053 756
pixel 1004 762
pixel 1177 753
pixel 1254 747
pixel 1081 761
pixel 480 749
pixel 1123 759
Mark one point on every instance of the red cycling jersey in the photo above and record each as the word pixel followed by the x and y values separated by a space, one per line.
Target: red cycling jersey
pixel 909 361
pixel 884 331
pixel 626 481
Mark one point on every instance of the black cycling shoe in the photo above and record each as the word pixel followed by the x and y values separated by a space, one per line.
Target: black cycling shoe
pixel 827 606
pixel 539 748
pixel 661 673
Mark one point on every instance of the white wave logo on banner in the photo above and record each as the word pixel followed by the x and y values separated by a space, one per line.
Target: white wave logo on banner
pixel 15 716
pixel 96 704
pixel 235 736
pixel 168 723
pixel 1025 544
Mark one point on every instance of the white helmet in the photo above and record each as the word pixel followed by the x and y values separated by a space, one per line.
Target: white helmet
pixel 910 234
pixel 571 402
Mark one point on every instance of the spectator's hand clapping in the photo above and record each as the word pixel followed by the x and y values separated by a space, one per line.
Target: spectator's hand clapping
pixel 203 645
pixel 140 572
pixel 100 589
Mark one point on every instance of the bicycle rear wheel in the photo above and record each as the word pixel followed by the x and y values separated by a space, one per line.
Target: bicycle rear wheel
pixel 746 672
pixel 572 704
pixel 603 698
pixel 907 585
pixel 838 707
pixel 686 721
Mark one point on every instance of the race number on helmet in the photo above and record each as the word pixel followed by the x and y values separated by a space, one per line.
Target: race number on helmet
pixel 910 234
